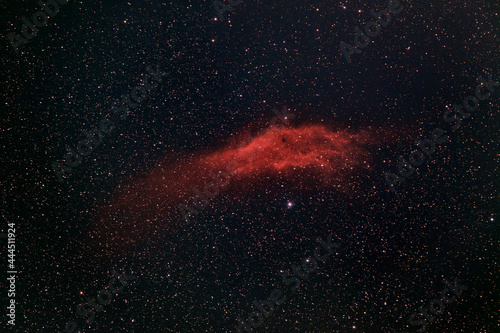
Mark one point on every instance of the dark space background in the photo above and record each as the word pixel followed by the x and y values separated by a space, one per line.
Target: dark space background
pixel 396 249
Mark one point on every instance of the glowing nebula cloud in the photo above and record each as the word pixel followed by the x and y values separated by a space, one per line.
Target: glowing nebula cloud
pixel 309 155
pixel 291 149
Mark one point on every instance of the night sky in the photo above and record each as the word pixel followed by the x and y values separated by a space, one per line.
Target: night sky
pixel 208 157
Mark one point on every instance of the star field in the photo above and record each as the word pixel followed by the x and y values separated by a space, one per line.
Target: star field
pixel 140 202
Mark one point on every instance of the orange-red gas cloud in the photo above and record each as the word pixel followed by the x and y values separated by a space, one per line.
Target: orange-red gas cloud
pixel 310 155
pixel 290 149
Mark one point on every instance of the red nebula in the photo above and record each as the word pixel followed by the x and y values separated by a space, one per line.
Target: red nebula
pixel 290 149
pixel 310 154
